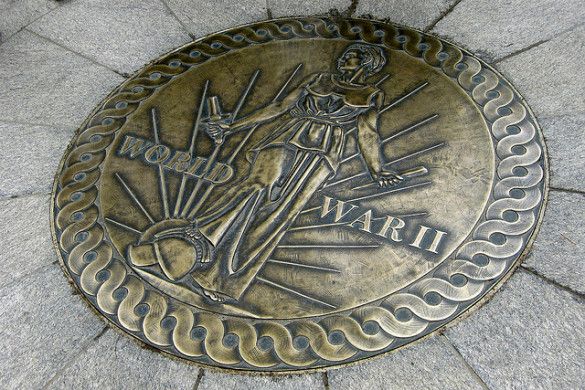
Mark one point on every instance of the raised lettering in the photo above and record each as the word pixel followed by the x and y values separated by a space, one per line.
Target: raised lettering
pixel 365 220
pixel 198 163
pixel 179 162
pixel 437 237
pixel 133 146
pixel 339 208
pixel 157 154
pixel 394 224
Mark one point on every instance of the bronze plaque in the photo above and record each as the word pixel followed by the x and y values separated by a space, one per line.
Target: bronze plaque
pixel 299 193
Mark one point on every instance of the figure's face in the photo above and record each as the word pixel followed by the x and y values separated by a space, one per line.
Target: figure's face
pixel 349 62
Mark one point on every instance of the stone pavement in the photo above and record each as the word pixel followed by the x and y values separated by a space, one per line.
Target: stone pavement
pixel 59 59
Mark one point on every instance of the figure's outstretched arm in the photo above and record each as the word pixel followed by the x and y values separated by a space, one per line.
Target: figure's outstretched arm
pixel 370 145
pixel 272 110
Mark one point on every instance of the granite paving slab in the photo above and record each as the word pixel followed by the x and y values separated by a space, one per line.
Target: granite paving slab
pixel 499 28
pixel 213 380
pixel 29 157
pixel 279 8
pixel 43 327
pixel 547 75
pixel 114 361
pixel 431 364
pixel 26 239
pixel 42 83
pixel 558 253
pixel 19 14
pixel 202 18
pixel 121 34
pixel 417 14
pixel 529 336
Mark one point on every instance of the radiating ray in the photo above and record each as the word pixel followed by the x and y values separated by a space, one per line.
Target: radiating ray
pixel 287 82
pixel 378 194
pixel 122 225
pixel 134 197
pixel 382 80
pixel 161 173
pixel 411 215
pixel 242 143
pixel 244 96
pixel 413 154
pixel 350 157
pixel 326 246
pixel 194 133
pixel 295 292
pixel 411 127
pixel 292 264
pixel 187 211
pixel 403 98
pixel 417 153
pixel 398 134
pixel 315 226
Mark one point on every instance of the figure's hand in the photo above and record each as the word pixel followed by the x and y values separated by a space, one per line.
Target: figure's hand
pixel 217 130
pixel 388 178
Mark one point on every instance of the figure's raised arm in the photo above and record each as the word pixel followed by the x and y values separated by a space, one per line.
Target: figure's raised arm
pixel 274 109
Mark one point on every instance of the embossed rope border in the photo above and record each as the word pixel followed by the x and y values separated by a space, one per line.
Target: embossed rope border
pixel 510 219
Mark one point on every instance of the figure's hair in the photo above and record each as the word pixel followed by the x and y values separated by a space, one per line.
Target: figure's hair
pixel 373 58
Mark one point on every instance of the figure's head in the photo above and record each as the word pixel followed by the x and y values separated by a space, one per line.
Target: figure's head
pixel 360 55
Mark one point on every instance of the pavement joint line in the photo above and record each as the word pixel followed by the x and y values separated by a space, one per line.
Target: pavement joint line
pixel 558 116
pixel 174 15
pixel 24 195
pixel 15 122
pixel 69 49
pixel 569 190
pixel 325 377
pixel 580 297
pixel 28 274
pixel 268 10
pixel 198 380
pixel 31 22
pixel 84 348
pixel 536 44
pixel 441 16
pixel 49 124
pixel 468 366
pixel 350 11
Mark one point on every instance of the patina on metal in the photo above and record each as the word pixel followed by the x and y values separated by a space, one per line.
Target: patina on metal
pixel 299 193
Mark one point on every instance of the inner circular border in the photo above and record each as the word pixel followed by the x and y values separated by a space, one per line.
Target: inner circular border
pixel 89 260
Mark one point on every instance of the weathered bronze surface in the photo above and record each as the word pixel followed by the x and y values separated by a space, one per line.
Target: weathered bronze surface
pixel 299 193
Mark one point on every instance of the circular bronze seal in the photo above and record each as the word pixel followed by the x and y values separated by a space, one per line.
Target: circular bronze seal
pixel 299 193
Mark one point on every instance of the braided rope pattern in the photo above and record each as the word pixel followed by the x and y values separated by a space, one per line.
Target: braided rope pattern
pixel 458 282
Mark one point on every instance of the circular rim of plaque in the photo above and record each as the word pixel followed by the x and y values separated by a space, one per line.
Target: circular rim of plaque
pixel 231 339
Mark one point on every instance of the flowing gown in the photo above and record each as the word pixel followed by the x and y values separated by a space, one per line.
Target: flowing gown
pixel 248 221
